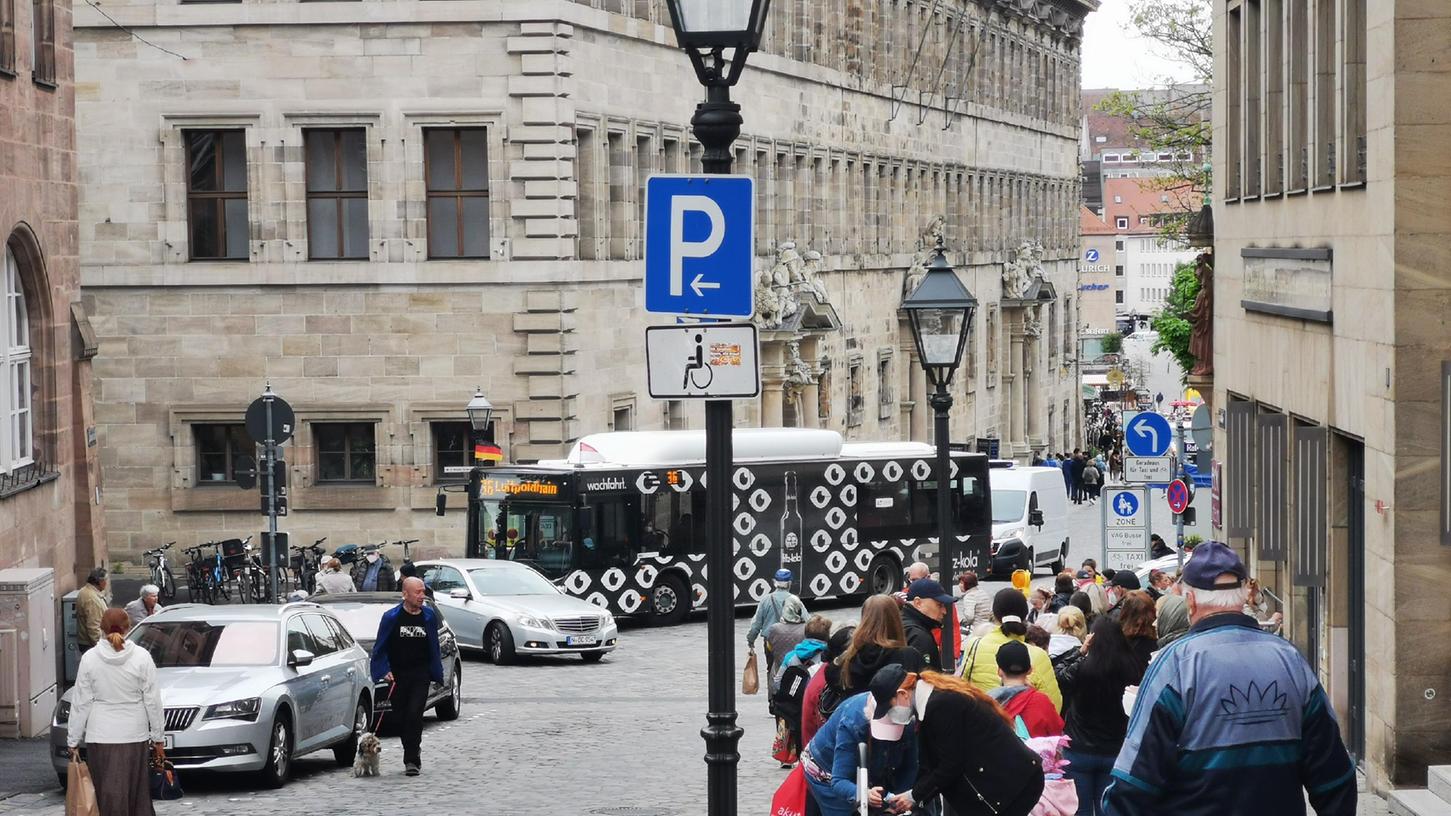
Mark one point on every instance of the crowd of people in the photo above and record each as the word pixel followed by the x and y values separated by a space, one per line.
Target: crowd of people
pixel 1156 699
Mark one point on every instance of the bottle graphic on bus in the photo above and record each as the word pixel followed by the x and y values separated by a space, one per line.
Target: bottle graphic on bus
pixel 791 527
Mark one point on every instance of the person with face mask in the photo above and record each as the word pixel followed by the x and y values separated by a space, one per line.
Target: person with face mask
pixel 376 574
pixel 1118 587
pixel 970 755
pixel 881 717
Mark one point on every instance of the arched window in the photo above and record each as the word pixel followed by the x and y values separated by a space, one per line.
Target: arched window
pixel 16 445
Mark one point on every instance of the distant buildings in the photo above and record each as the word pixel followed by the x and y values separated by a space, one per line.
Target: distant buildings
pixel 1109 148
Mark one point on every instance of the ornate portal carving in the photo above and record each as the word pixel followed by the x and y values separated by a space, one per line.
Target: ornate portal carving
pixel 1018 273
pixel 780 287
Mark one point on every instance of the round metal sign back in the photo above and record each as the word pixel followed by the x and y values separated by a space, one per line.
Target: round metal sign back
pixel 283 420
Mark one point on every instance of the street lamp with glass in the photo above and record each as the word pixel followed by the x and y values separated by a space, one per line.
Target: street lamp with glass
pixel 718 35
pixel 479 411
pixel 940 312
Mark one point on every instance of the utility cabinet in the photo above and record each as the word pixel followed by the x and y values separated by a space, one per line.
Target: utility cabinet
pixel 27 651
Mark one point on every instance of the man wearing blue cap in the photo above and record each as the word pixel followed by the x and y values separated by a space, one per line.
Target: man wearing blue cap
pixel 927 605
pixel 1229 719
pixel 769 611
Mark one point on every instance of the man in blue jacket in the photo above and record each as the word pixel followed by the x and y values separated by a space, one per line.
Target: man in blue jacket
pixel 406 654
pixel 1229 719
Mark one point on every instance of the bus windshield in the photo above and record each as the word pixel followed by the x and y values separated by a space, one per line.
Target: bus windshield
pixel 541 534
pixel 1008 505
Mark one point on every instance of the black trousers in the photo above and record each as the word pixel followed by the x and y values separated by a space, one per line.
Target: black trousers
pixel 409 700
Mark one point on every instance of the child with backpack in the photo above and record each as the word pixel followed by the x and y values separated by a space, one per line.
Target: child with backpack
pixel 1024 703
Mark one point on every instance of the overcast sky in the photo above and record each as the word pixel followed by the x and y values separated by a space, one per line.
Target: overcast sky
pixel 1114 58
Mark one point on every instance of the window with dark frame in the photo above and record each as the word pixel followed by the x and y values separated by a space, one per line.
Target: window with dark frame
pixel 456 173
pixel 451 448
pixel 222 448
pixel 7 38
pixel 346 452
pixel 42 22
pixel 337 193
pixel 216 194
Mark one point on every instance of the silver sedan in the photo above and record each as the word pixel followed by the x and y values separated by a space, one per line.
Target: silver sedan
pixel 508 609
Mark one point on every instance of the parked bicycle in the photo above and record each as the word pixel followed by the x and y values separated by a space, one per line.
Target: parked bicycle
pixel 306 564
pixel 207 574
pixel 161 576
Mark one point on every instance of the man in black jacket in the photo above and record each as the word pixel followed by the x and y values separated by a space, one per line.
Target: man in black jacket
pixel 927 605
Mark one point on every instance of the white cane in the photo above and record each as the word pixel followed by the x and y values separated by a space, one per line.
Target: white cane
pixel 862 785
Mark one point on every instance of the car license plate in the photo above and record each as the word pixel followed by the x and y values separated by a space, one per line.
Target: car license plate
pixel 166 741
pixel 582 640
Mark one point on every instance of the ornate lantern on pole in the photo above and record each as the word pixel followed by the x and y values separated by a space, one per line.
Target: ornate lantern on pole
pixel 480 411
pixel 940 311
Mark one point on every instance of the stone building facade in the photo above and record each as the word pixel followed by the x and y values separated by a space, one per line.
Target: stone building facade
pixel 48 466
pixel 379 207
pixel 1330 295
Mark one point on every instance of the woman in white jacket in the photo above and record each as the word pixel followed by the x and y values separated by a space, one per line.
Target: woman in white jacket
pixel 116 711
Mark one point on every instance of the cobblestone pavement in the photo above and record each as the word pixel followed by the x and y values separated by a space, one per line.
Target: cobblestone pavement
pixel 552 736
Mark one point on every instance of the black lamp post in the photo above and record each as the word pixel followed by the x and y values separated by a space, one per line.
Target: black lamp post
pixel 480 411
pixel 718 35
pixel 940 310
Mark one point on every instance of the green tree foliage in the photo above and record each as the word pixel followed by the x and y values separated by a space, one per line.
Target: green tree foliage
pixel 1173 322
pixel 1176 117
pixel 1112 343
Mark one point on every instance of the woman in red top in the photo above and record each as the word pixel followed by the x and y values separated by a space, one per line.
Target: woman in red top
pixel 1018 698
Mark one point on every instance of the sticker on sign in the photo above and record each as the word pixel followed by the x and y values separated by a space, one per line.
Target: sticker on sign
pixel 1144 469
pixel 703 361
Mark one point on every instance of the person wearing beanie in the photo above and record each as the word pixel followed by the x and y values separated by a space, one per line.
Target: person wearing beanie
pixel 1039 715
pixel 768 611
pixel 116 713
pixel 785 634
pixel 979 665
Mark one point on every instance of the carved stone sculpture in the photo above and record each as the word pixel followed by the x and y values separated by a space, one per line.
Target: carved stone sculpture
pixel 926 242
pixel 1201 336
pixel 780 287
pixel 1019 272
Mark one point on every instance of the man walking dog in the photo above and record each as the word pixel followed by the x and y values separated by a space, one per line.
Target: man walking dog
pixel 406 654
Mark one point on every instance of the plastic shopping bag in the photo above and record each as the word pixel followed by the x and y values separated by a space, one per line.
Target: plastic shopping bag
pixel 790 798
pixel 750 679
pixel 80 794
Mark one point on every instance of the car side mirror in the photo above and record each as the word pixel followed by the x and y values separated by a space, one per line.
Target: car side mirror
pixel 440 503
pixel 299 658
pixel 459 593
pixel 1035 518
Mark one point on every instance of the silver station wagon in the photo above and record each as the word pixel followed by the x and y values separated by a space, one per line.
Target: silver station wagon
pixel 248 688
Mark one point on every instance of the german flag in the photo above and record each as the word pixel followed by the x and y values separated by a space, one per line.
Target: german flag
pixel 488 453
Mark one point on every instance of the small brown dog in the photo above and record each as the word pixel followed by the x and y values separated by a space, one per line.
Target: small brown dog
pixel 369 748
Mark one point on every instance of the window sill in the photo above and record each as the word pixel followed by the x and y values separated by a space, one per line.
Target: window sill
pixel 1272 196
pixel 1323 188
pixel 1232 200
pixel 1299 191
pixel 238 259
pixel 1352 185
pixel 46 84
pixel 7 73
pixel 25 478
pixel 466 258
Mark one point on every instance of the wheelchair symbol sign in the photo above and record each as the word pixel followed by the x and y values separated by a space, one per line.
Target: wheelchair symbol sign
pixel 703 361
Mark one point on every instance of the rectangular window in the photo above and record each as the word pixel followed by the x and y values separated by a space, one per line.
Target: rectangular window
pixel 1354 87
pixel 337 193
pixel 456 167
pixel 216 198
pixel 1109 158
pixel 1234 88
pixel 885 401
pixel 622 418
pixel 991 327
pixel 346 452
pixel 7 37
pixel 1323 172
pixel 221 450
pixel 1118 245
pixel 1299 90
pixel 42 23
pixel 1118 297
pixel 451 448
pixel 855 401
pixel 1118 270
pixel 1274 66
pixel 1121 222
pixel 587 205
pixel 1253 112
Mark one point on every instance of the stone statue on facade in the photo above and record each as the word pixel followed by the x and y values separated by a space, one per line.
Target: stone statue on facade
pixel 797 373
pixel 780 287
pixel 1201 336
pixel 935 230
pixel 1018 273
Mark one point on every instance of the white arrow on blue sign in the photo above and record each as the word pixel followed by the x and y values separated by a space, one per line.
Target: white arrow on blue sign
pixel 1147 434
pixel 700 236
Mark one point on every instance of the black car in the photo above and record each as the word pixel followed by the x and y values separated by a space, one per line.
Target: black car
pixel 360 613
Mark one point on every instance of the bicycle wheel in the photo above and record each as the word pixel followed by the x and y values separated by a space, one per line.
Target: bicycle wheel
pixel 167 584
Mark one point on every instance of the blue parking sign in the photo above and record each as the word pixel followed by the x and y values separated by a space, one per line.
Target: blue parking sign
pixel 700 236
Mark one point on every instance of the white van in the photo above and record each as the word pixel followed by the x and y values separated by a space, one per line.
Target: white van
pixel 1030 518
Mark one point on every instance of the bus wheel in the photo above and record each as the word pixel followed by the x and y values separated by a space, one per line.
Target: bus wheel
pixel 670 600
pixel 882 576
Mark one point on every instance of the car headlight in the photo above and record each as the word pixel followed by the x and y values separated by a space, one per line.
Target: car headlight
pixel 534 623
pixel 608 620
pixel 63 712
pixel 235 710
pixel 1015 532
